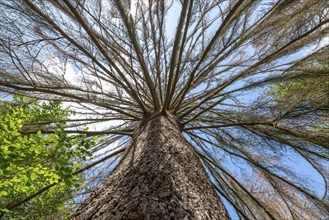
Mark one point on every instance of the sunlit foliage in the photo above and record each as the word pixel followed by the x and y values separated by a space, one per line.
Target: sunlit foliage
pixel 31 160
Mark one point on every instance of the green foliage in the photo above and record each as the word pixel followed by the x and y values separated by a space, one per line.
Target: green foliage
pixel 293 88
pixel 52 204
pixel 313 89
pixel 31 160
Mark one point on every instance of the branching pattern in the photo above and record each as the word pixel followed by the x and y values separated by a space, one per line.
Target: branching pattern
pixel 211 66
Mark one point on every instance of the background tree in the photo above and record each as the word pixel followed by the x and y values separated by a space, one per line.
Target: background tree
pixel 311 90
pixel 123 64
pixel 30 160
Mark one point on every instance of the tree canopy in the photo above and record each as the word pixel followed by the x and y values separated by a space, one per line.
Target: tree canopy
pixel 211 66
pixel 31 160
pixel 312 91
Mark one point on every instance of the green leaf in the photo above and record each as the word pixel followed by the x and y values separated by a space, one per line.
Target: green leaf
pixel 3 209
pixel 3 193
pixel 33 176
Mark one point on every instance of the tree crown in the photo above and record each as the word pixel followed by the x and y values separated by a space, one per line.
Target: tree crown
pixel 117 61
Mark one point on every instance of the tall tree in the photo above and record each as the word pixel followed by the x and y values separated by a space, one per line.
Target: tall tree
pixel 180 98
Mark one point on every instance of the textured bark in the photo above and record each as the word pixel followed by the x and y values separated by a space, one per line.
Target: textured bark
pixel 160 178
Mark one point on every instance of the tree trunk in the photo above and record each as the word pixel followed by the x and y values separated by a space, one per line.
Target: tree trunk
pixel 160 178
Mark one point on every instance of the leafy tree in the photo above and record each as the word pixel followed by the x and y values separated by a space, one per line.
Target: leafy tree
pixel 311 93
pixel 313 90
pixel 180 100
pixel 30 161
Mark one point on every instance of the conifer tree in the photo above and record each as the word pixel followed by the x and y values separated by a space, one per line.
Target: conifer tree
pixel 179 92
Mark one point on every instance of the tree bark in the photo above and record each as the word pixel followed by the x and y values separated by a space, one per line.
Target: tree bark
pixel 160 178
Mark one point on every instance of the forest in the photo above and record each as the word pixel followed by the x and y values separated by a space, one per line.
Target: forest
pixel 175 109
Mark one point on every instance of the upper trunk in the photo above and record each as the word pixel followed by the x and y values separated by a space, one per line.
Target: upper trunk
pixel 160 178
